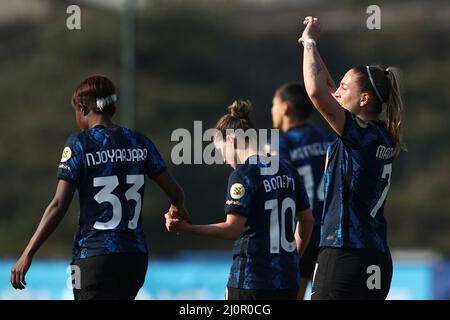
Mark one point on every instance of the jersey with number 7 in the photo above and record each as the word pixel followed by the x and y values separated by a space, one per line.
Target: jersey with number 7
pixel 357 179
pixel 108 166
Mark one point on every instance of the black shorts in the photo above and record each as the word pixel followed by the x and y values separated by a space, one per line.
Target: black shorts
pixel 309 258
pixel 356 274
pixel 251 294
pixel 109 277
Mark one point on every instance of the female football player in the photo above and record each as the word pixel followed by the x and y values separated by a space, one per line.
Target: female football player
pixel 107 165
pixel 304 146
pixel 261 215
pixel 366 114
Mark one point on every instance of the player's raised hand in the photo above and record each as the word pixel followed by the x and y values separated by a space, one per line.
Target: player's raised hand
pixel 19 271
pixel 312 29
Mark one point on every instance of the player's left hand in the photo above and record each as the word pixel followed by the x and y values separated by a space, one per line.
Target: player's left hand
pixel 180 212
pixel 19 271
pixel 174 224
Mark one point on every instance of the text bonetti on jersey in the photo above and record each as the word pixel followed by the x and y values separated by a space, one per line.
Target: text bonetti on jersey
pixel 278 182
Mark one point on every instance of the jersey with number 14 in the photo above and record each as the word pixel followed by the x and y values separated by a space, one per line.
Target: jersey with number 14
pixel 108 166
pixel 357 178
pixel 306 147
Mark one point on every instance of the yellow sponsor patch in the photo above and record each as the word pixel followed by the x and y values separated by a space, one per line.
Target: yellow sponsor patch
pixel 237 191
pixel 67 153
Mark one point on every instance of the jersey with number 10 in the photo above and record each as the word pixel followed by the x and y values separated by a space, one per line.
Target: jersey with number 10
pixel 108 166
pixel 265 255
pixel 357 179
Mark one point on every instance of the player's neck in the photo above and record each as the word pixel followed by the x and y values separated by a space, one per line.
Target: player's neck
pixel 100 120
pixel 367 116
pixel 247 153
pixel 290 123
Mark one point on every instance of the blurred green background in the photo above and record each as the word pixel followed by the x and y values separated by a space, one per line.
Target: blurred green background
pixel 192 59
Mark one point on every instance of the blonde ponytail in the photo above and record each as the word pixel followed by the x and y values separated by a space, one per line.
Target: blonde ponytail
pixel 394 110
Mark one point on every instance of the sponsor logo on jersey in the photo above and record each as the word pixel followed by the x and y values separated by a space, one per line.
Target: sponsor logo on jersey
pixel 237 191
pixel 64 167
pixel 234 203
pixel 66 154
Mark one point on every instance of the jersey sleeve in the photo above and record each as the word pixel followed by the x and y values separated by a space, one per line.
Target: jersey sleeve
pixel 154 162
pixel 354 131
pixel 238 199
pixel 71 165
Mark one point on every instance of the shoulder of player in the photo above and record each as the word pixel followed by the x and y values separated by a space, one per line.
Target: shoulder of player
pixel 74 146
pixel 293 134
pixel 289 139
pixel 304 134
pixel 314 132
pixel 384 138
pixel 76 135
pixel 242 181
pixel 369 129
pixel 375 134
pixel 243 169
pixel 75 138
pixel 376 131
pixel 283 138
pixel 245 172
pixel 140 136
pixel 287 167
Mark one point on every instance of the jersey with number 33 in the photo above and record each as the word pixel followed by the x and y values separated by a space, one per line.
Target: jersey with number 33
pixel 357 179
pixel 108 167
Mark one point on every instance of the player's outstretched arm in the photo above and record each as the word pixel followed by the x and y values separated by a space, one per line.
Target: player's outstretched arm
pixel 175 193
pixel 230 229
pixel 304 230
pixel 317 79
pixel 50 220
pixel 331 85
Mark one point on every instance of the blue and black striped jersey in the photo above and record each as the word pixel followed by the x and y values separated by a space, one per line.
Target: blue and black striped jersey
pixel 357 179
pixel 108 166
pixel 265 255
